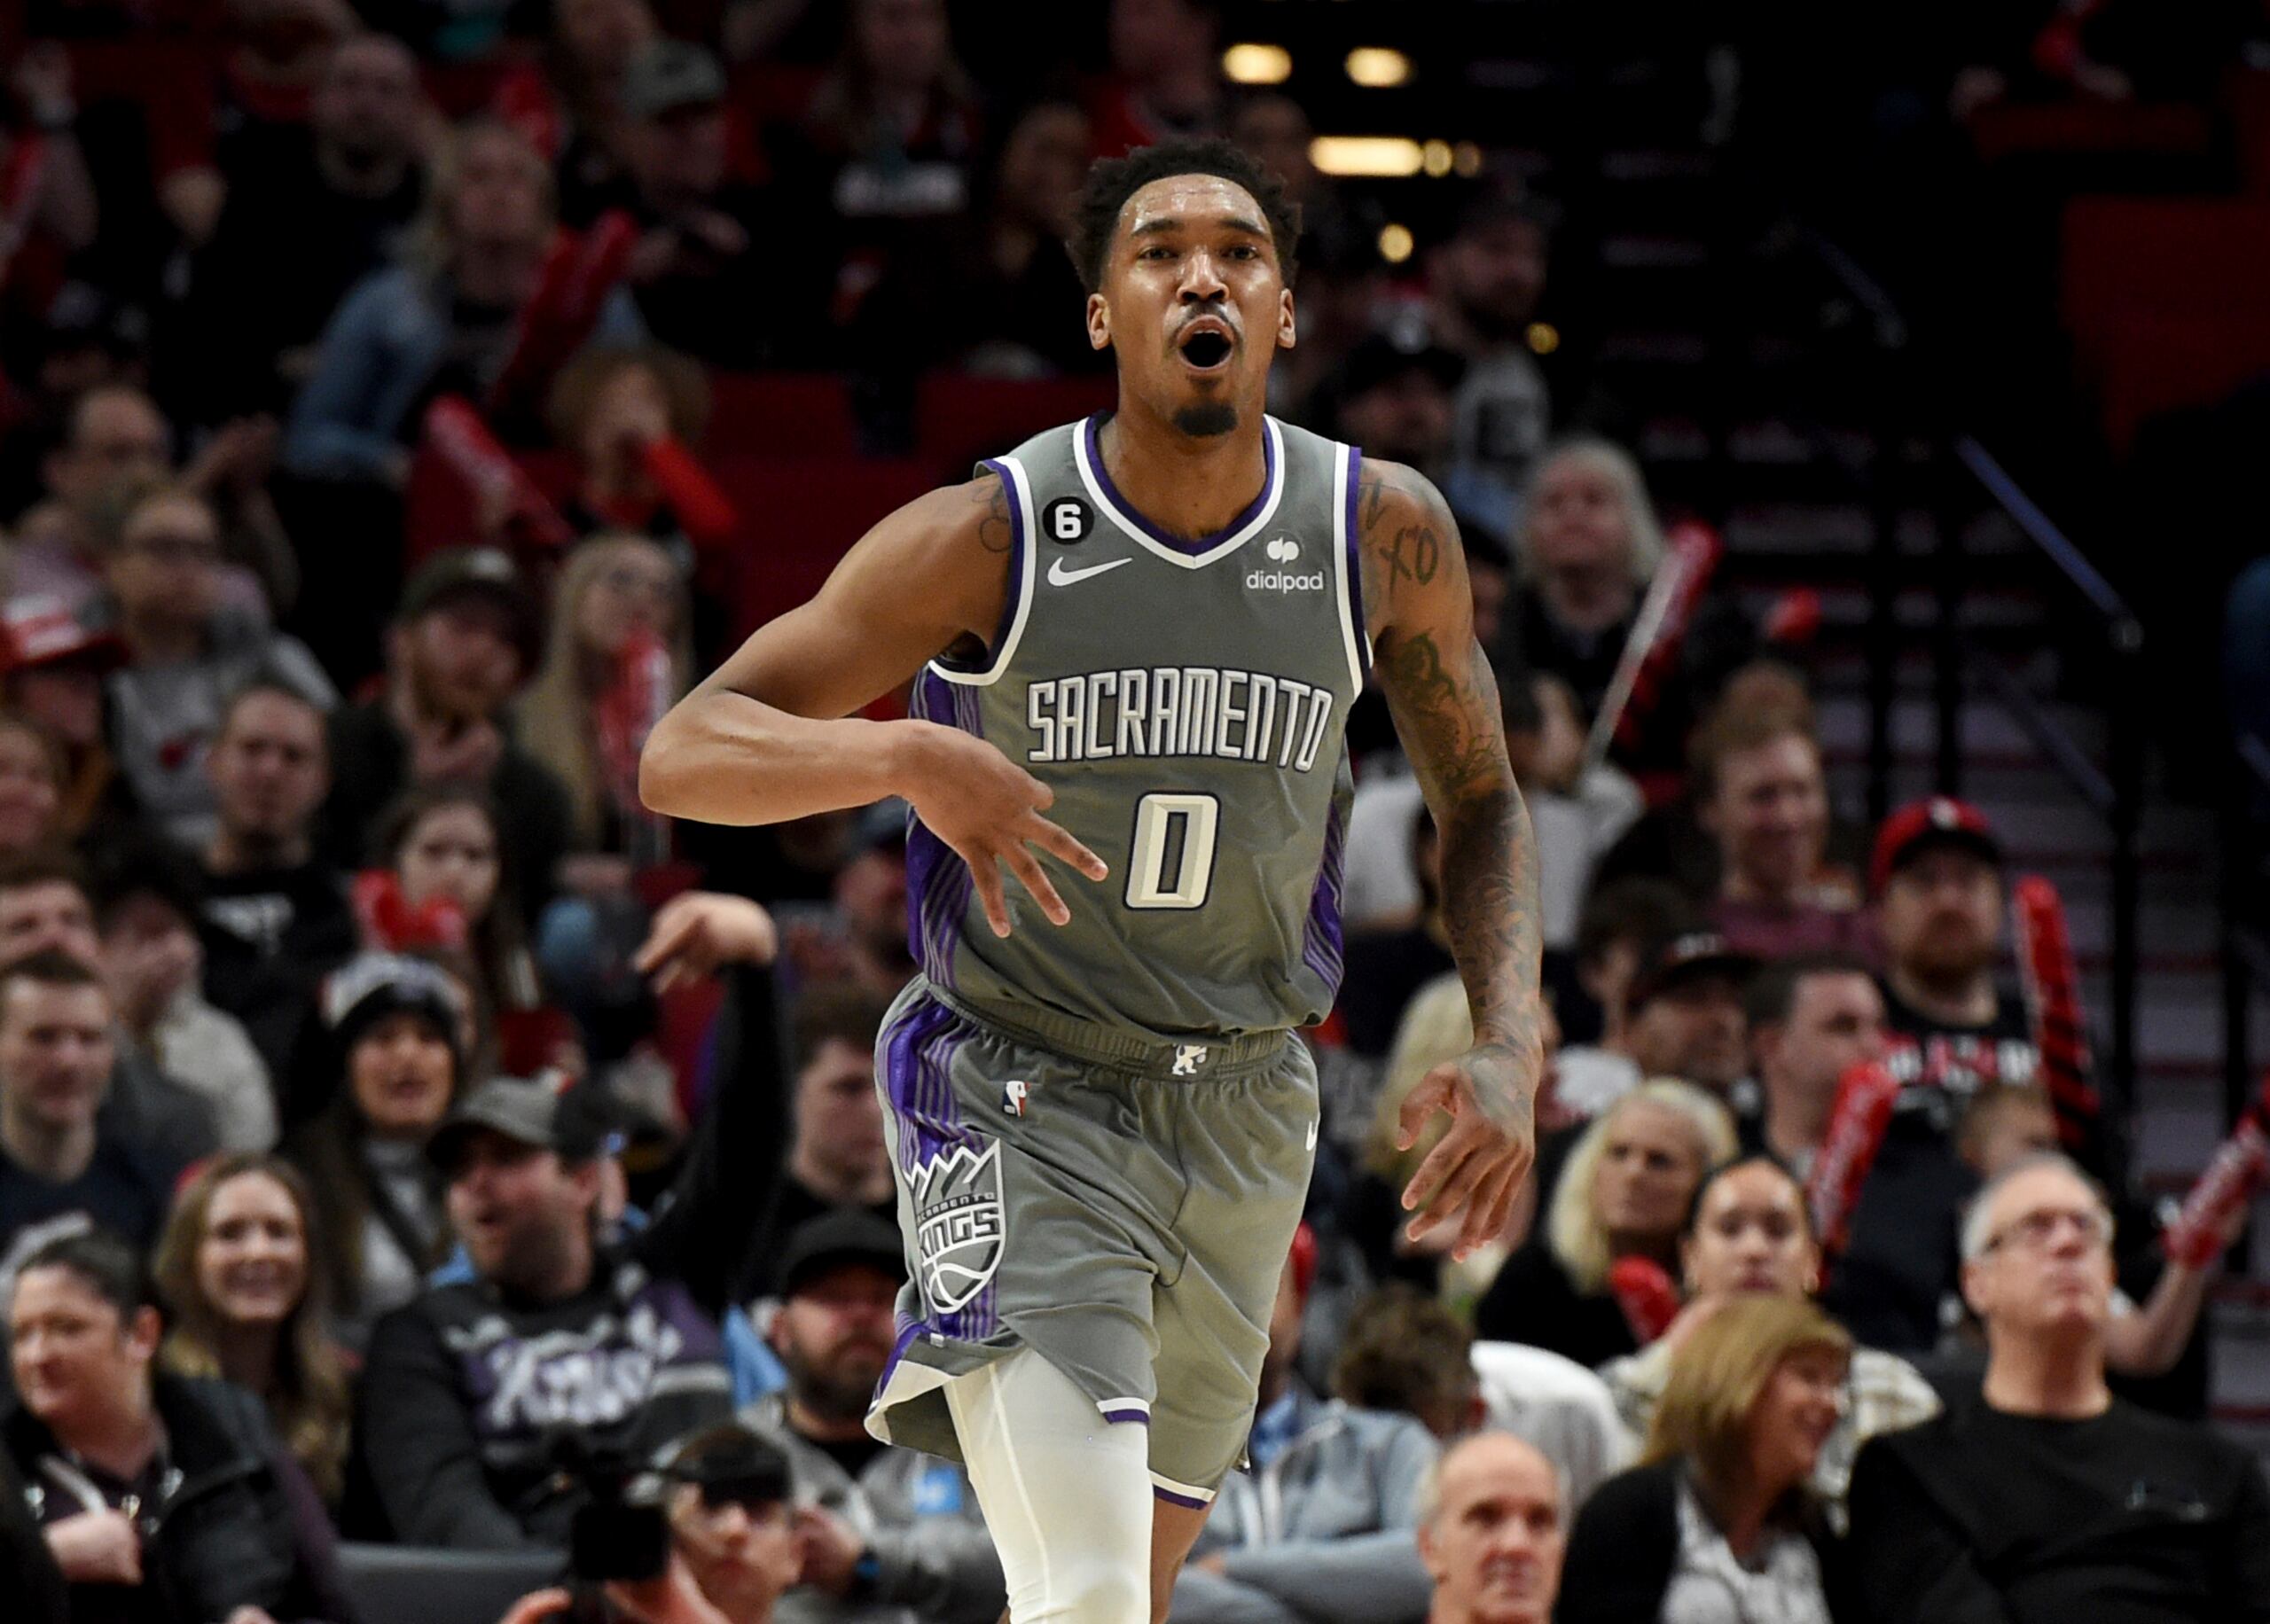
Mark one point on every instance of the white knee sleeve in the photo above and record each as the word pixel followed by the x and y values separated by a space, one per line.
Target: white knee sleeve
pixel 1067 1495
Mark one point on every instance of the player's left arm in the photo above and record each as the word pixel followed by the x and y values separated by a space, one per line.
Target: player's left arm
pixel 1444 697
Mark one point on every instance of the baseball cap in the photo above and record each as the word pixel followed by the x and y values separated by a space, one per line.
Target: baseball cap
pixel 845 1235
pixel 44 630
pixel 665 75
pixel 464 571
pixel 370 986
pixel 549 1112
pixel 1920 825
pixel 1673 961
pixel 1390 353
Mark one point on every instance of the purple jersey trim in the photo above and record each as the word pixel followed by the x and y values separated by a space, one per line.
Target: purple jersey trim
pixel 1140 1416
pixel 1321 947
pixel 1171 1498
pixel 1355 555
pixel 1126 509
pixel 919 1054
pixel 937 880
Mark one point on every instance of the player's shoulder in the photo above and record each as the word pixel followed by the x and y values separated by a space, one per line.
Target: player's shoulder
pixel 1392 494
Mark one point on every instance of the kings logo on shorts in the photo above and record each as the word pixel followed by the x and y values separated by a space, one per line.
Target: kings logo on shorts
pixel 958 1224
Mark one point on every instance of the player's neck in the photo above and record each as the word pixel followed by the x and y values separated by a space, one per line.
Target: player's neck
pixel 1965 1000
pixel 1187 485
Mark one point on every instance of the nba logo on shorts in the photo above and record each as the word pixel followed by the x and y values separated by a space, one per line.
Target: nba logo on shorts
pixel 1013 1097
pixel 958 1224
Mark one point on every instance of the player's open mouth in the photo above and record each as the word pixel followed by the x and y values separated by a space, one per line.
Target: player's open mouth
pixel 1206 348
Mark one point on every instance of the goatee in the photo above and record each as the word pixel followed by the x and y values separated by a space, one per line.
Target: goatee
pixel 1207 421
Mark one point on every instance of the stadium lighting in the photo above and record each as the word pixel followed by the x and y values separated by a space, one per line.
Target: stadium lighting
pixel 1395 243
pixel 1437 158
pixel 1371 155
pixel 1377 68
pixel 1251 64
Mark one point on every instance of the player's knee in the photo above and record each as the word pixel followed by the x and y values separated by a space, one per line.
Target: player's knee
pixel 1096 1591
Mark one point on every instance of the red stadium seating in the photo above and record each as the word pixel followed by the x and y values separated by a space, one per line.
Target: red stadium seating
pixel 802 516
pixel 2125 257
pixel 959 418
pixel 780 414
pixel 2154 363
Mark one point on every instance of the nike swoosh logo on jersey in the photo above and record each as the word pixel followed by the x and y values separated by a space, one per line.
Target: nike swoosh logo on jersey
pixel 1059 576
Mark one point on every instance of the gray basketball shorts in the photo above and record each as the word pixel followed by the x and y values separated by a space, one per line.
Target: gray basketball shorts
pixel 1128 1224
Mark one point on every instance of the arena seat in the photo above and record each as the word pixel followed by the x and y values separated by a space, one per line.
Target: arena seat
pixel 2005 130
pixel 2157 362
pixel 2126 257
pixel 801 516
pixel 433 1585
pixel 780 414
pixel 959 417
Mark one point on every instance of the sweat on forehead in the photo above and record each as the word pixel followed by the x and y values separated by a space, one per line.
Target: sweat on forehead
pixel 1192 200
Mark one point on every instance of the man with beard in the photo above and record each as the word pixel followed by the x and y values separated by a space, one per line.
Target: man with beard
pixel 463 641
pixel 889 1535
pixel 1484 283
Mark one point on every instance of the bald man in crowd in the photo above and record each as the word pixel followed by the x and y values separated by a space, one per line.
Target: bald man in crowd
pixel 1491 1533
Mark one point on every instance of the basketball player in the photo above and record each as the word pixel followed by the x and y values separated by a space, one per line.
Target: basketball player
pixel 1133 643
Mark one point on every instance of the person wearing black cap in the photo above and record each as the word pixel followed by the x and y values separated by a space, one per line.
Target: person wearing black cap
pixel 1484 283
pixel 1394 396
pixel 733 1519
pixel 891 1536
pixel 465 637
pixel 1679 1014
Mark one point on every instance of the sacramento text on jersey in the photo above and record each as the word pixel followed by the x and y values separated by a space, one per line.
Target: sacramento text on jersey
pixel 1179 710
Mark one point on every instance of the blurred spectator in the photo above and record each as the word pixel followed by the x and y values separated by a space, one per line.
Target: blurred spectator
pixel 464 637
pixel 701 279
pixel 1578 808
pixel 275 919
pixel 55 665
pixel 1717 1521
pixel 146 902
pixel 396 1028
pixel 618 593
pixel 1761 794
pixel 1621 920
pixel 1750 1234
pixel 569 101
pixel 235 1269
pixel 28 1577
pixel 1680 1015
pixel 114 439
pixel 2044 1497
pixel 1624 1192
pixel 1491 1532
pixel 894 127
pixel 31 787
pixel 861 937
pixel 889 1536
pixel 629 416
pixel 43 904
pixel 837 1157
pixel 1484 284
pixel 1812 1017
pixel 2246 657
pixel 445 321
pixel 1386 967
pixel 49 195
pixel 466 1390
pixel 1166 75
pixel 733 1526
pixel 1936 876
pixel 1393 397
pixel 1322 1526
pixel 999 296
pixel 186 655
pixel 63 1169
pixel 105 1443
pixel 323 209
pixel 446 848
pixel 1557 1406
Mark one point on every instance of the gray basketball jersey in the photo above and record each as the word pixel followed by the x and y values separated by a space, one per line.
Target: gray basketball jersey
pixel 1187 702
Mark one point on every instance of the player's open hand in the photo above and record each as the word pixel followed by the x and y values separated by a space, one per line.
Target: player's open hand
pixel 989 809
pixel 698 931
pixel 1472 1176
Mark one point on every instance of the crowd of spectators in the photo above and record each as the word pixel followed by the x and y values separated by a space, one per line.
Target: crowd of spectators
pixel 399 1124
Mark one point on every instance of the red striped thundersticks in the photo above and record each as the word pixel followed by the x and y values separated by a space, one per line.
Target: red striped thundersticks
pixel 2235 1176
pixel 2053 1000
pixel 1865 1096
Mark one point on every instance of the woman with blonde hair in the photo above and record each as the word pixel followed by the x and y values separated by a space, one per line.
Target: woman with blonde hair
pixel 1717 1523
pixel 235 1268
pixel 1588 545
pixel 1624 1192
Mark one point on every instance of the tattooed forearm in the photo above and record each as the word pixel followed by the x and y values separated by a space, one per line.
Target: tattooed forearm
pixel 1444 697
pixel 995 533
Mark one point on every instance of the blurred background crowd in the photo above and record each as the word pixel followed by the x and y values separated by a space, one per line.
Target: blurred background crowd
pixel 418 1161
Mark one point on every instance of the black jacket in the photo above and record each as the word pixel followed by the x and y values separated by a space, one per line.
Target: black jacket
pixel 1624 1548
pixel 243 1529
pixel 29 1576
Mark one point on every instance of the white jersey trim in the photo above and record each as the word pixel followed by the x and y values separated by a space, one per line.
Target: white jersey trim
pixel 1027 549
pixel 1180 559
pixel 1355 640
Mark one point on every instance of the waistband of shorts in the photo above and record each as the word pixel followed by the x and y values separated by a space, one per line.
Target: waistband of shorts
pixel 1204 1056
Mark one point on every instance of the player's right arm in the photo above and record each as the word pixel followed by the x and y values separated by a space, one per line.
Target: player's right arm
pixel 771 735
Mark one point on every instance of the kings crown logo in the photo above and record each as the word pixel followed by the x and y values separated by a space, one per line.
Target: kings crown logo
pixel 958 1224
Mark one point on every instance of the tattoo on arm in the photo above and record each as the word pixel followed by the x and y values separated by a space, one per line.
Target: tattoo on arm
pixel 995 531
pixel 1444 697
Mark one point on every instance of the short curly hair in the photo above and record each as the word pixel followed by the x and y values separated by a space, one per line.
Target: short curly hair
pixel 1112 181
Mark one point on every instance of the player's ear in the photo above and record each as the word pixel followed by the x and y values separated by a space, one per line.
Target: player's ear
pixel 1099 322
pixel 1287 329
